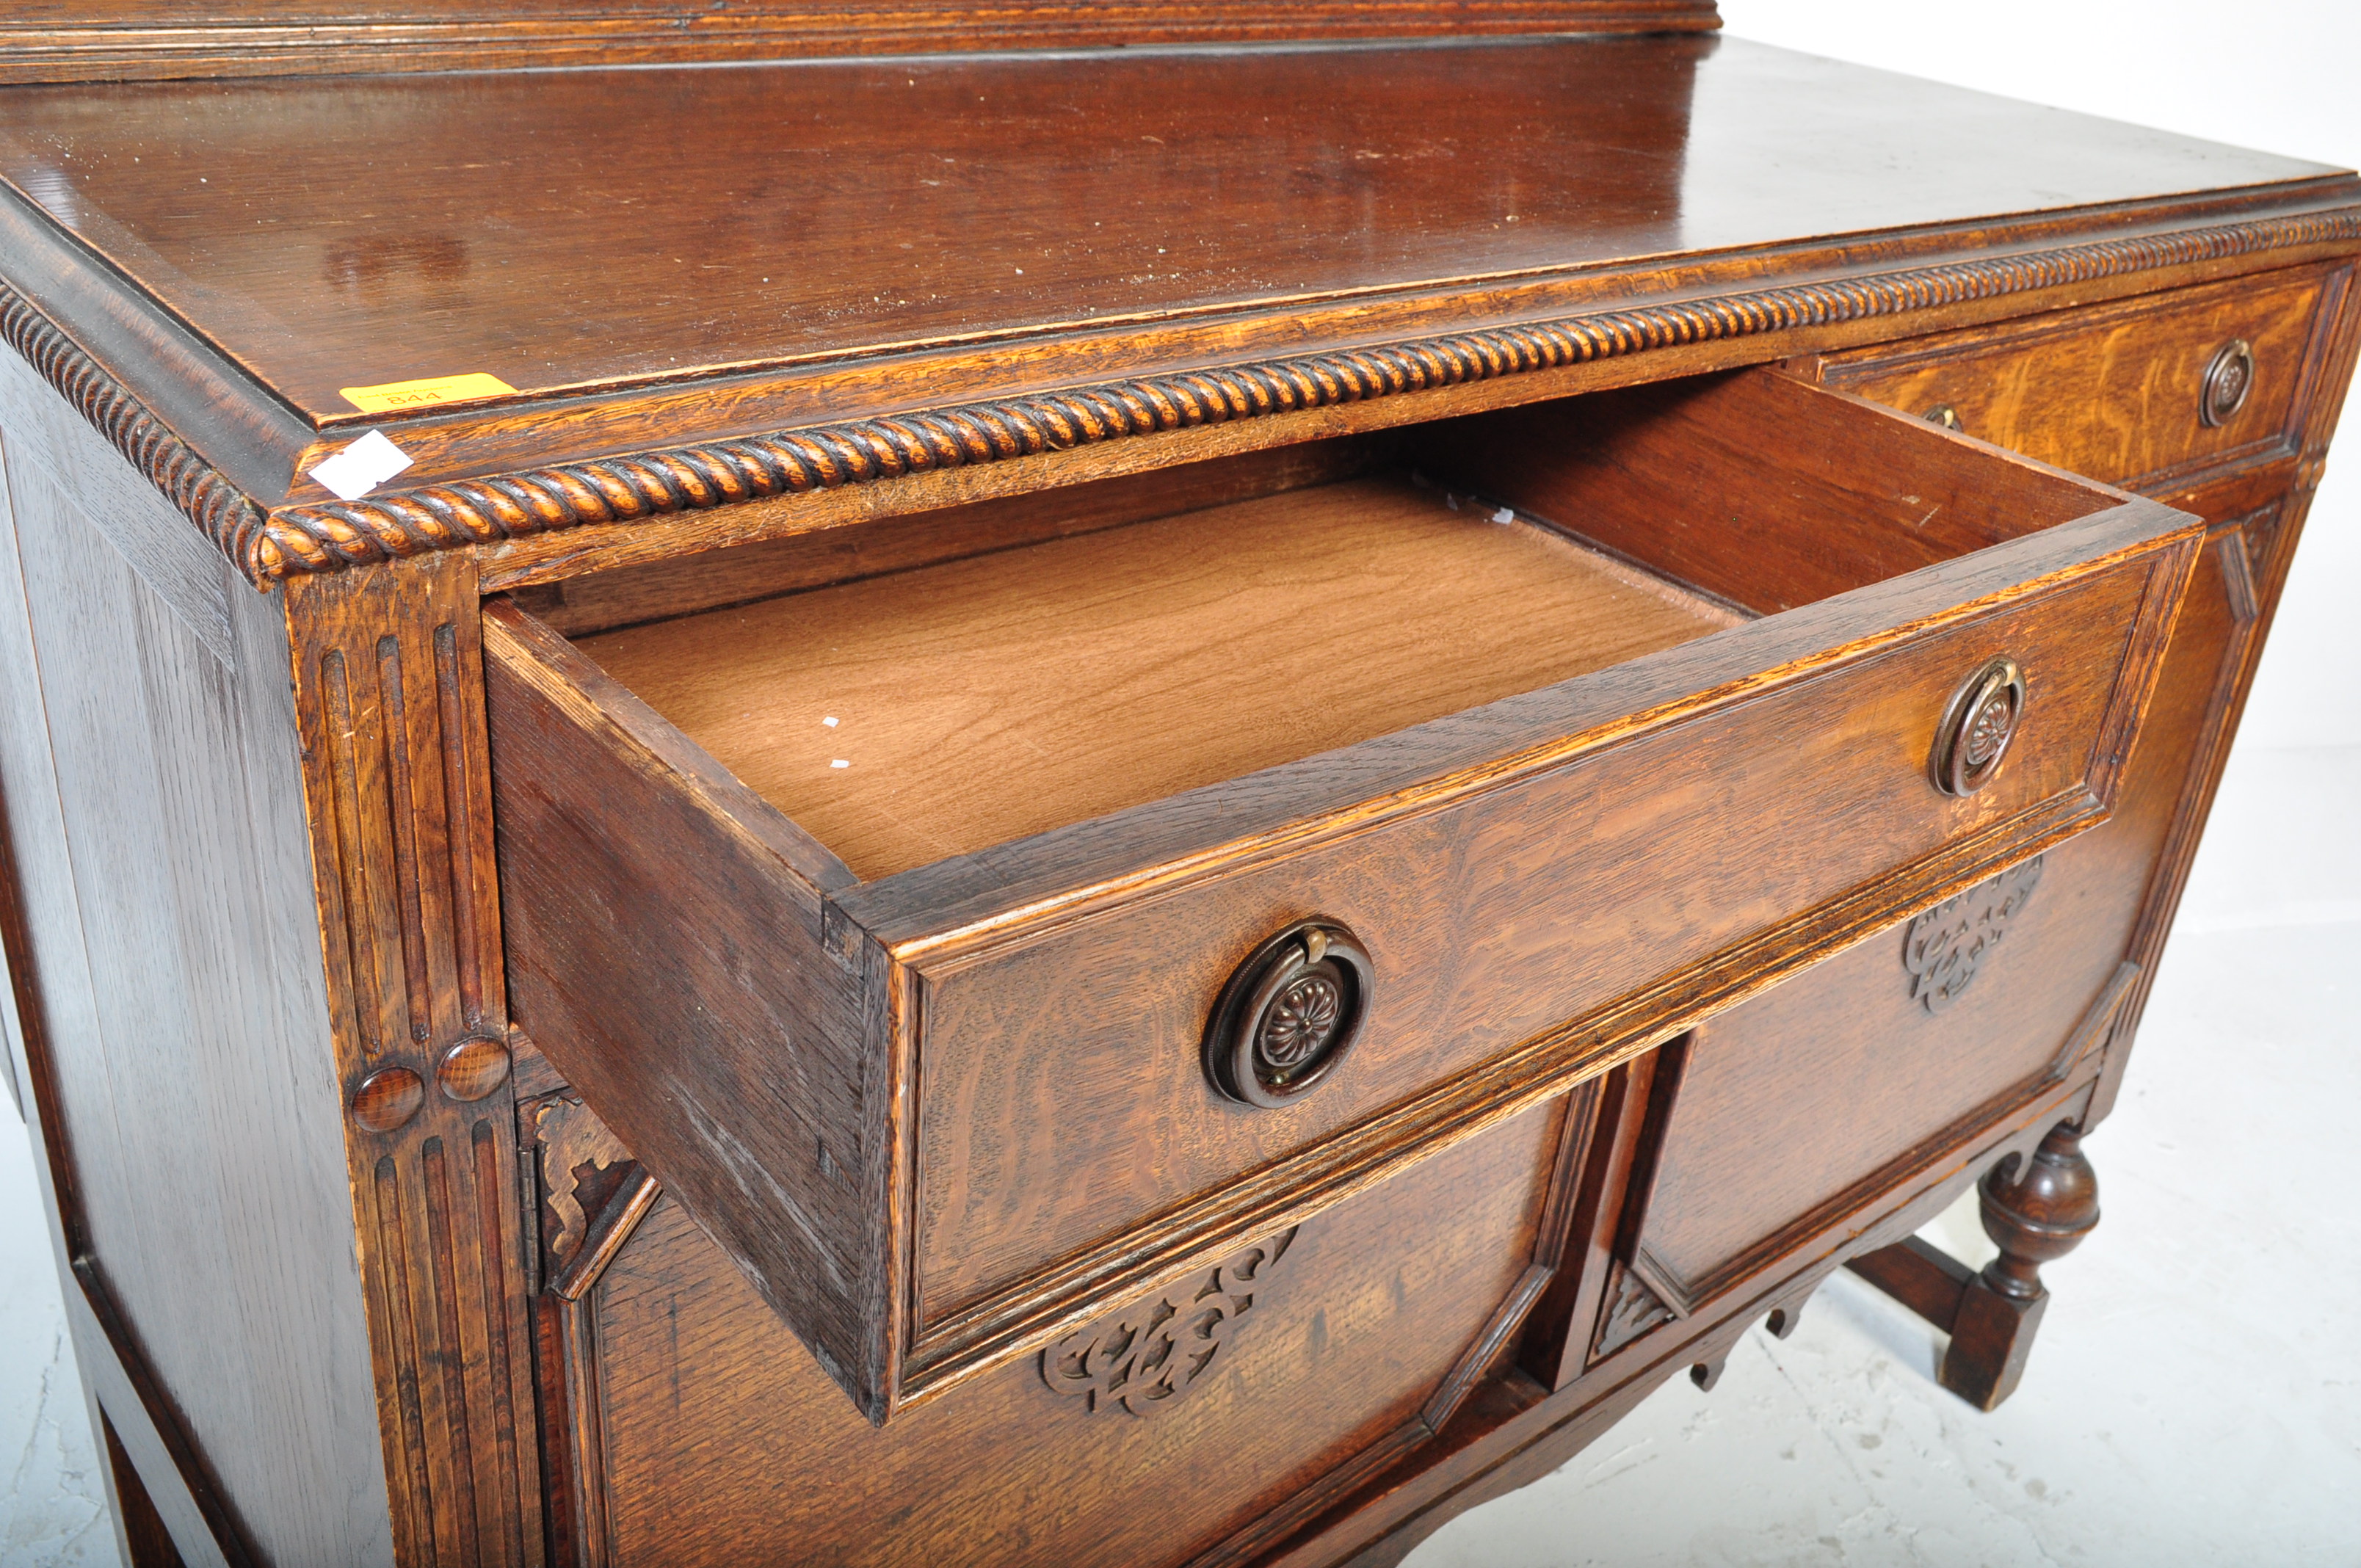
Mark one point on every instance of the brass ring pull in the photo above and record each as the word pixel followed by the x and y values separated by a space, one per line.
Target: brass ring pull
pixel 1289 1014
pixel 2227 381
pixel 1977 726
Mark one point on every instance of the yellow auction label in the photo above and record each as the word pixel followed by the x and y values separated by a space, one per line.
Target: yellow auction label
pixel 395 397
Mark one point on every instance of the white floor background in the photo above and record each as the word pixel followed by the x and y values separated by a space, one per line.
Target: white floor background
pixel 2195 1398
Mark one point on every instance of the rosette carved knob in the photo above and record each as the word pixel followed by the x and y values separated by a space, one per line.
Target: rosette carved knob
pixel 1289 1014
pixel 1977 726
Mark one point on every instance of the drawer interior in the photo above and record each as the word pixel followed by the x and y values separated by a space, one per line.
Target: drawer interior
pixel 941 709
pixel 978 685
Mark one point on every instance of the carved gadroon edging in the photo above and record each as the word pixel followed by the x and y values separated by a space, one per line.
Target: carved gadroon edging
pixel 325 537
pixel 1146 1357
pixel 232 522
pixel 1944 947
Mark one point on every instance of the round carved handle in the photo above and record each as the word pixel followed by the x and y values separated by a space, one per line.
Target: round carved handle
pixel 2227 381
pixel 1977 726
pixel 1289 1015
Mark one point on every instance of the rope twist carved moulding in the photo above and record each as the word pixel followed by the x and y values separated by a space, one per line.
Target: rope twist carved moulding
pixel 232 522
pixel 329 536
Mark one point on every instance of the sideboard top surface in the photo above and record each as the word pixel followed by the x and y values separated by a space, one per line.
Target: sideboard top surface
pixel 704 284
pixel 587 228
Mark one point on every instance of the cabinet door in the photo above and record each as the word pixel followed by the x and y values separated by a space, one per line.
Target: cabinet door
pixel 693 1428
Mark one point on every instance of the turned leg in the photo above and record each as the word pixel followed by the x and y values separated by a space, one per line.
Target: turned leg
pixel 2035 1215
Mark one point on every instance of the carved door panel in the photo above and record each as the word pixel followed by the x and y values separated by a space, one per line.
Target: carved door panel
pixel 1921 1037
pixel 1198 1424
pixel 1755 1147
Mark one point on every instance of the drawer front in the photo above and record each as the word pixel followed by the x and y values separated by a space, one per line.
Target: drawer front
pixel 1061 1097
pixel 699 1421
pixel 2118 392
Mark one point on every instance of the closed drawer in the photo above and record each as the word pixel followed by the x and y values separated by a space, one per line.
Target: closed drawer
pixel 2145 394
pixel 899 924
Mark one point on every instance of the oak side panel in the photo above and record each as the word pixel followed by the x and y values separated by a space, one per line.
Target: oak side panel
pixel 155 815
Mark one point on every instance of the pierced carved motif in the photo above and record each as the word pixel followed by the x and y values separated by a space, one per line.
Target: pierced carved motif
pixel 1631 1311
pixel 1944 947
pixel 1147 1356
pixel 582 1166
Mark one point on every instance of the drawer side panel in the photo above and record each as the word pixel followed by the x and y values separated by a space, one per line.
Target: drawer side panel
pixel 680 972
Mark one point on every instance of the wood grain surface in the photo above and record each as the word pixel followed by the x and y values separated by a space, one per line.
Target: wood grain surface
pixel 1848 1050
pixel 149 763
pixel 664 587
pixel 387 691
pixel 712 1421
pixel 1475 850
pixel 2113 393
pixel 1536 903
pixel 905 718
pixel 1060 409
pixel 841 208
pixel 1898 1073
pixel 145 39
pixel 621 940
pixel 769 407
pixel 1757 490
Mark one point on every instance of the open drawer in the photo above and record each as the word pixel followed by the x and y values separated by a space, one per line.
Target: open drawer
pixel 975 946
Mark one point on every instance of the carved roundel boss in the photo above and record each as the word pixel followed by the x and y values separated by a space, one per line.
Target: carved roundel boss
pixel 1977 726
pixel 1289 1014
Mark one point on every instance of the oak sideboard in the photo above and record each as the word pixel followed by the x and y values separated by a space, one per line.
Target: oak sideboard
pixel 1109 784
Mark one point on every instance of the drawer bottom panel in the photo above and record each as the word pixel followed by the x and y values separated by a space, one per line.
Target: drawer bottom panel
pixel 706 1434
